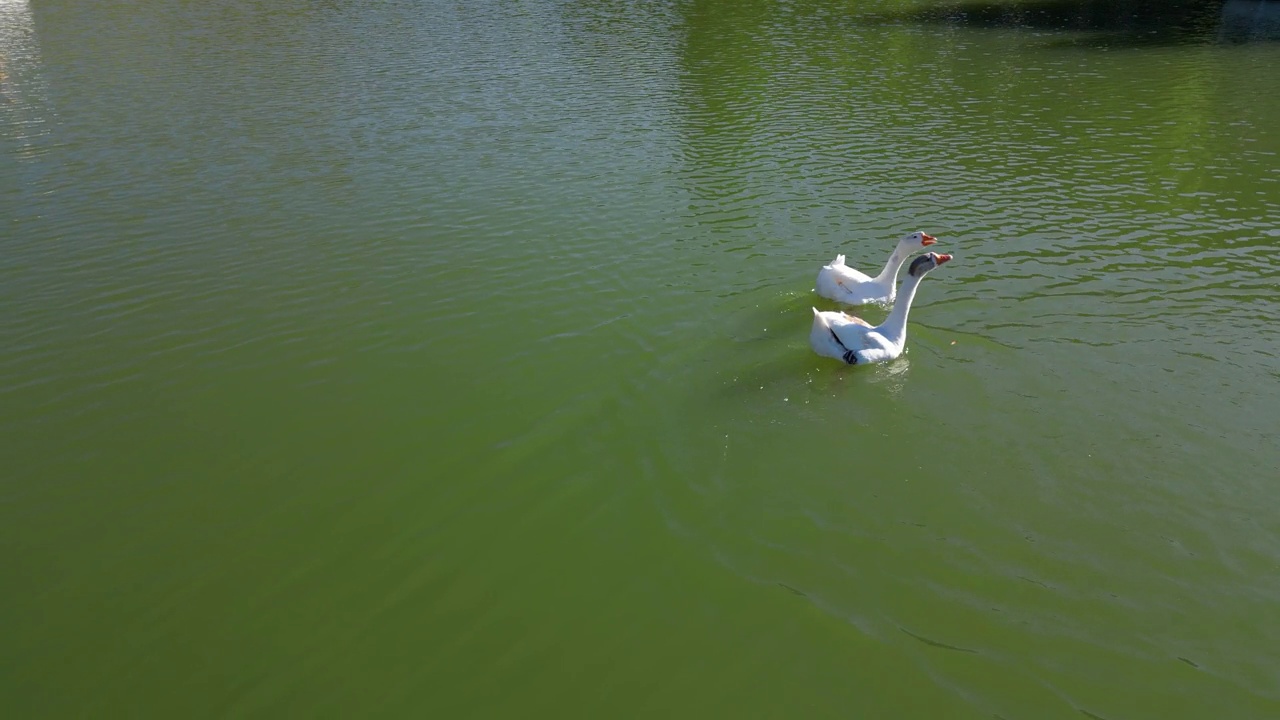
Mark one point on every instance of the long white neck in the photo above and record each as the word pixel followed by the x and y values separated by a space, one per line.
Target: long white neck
pixel 889 275
pixel 894 327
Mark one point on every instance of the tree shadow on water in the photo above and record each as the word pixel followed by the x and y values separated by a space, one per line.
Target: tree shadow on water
pixel 1116 22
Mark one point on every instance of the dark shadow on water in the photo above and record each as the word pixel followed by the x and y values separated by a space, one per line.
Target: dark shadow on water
pixel 1116 22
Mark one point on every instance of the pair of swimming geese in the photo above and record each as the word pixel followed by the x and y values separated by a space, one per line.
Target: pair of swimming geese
pixel 854 340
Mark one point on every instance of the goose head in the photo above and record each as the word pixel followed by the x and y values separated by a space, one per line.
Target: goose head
pixel 925 263
pixel 916 241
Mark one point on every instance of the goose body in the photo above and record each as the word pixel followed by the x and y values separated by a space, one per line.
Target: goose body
pixel 855 341
pixel 839 282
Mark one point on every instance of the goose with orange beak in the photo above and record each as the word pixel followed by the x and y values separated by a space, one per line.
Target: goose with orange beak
pixel 855 341
pixel 839 282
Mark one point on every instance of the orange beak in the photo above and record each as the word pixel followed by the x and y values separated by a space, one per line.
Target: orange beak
pixel 943 258
pixel 928 239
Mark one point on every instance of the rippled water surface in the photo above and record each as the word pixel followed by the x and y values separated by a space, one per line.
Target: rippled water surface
pixel 450 359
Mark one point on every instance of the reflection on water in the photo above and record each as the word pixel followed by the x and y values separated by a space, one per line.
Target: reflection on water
pixel 1250 20
pixel 1112 23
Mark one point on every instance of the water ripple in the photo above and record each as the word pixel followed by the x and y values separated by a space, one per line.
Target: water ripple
pixel 472 341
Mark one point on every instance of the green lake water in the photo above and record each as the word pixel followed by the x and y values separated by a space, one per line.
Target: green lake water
pixel 443 359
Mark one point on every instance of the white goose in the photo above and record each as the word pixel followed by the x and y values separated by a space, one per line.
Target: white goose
pixel 837 281
pixel 845 337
